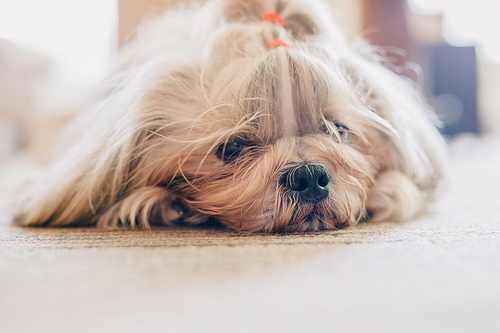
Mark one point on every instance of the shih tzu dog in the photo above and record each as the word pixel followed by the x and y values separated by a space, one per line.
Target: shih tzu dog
pixel 257 113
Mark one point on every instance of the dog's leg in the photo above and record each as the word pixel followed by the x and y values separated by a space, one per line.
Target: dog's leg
pixel 148 206
pixel 394 197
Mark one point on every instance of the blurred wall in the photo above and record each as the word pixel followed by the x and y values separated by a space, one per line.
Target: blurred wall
pixel 131 12
pixel 489 95
pixel 20 68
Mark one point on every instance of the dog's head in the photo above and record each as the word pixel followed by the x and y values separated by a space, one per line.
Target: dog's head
pixel 293 139
pixel 306 137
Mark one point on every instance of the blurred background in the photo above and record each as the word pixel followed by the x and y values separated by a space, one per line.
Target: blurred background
pixel 55 53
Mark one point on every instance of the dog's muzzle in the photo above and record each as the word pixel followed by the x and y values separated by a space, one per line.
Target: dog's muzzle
pixel 308 181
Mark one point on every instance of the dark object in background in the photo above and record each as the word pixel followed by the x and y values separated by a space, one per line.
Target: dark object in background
pixel 450 72
pixel 453 87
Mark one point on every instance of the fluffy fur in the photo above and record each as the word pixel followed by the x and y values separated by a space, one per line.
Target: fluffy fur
pixel 202 78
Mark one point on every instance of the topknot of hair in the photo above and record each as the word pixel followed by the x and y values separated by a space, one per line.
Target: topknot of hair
pixel 299 21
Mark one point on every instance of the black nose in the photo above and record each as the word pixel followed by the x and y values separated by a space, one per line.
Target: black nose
pixel 309 181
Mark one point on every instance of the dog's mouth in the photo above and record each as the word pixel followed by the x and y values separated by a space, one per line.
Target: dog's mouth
pixel 310 217
pixel 311 222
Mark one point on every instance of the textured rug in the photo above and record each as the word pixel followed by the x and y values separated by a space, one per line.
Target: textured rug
pixel 440 273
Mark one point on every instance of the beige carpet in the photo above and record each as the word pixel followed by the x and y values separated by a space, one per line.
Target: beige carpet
pixel 440 273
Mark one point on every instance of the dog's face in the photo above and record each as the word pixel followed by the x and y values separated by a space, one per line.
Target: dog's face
pixel 214 122
pixel 289 144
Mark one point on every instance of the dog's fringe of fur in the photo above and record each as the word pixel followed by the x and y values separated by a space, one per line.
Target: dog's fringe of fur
pixel 161 123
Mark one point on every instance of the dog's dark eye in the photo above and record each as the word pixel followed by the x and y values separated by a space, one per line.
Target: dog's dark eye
pixel 344 133
pixel 325 129
pixel 230 150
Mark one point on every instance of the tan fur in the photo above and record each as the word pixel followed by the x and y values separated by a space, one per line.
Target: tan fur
pixel 201 77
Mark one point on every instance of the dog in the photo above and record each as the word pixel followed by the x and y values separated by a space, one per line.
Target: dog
pixel 259 114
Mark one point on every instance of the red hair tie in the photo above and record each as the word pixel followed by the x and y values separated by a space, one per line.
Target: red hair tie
pixel 278 42
pixel 274 18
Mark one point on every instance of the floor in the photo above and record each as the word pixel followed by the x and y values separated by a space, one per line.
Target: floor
pixel 440 273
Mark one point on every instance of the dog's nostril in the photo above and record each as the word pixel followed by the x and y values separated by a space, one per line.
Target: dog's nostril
pixel 323 180
pixel 309 181
pixel 301 185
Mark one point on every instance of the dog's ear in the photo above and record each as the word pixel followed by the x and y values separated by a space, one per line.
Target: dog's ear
pixel 416 149
pixel 416 146
pixel 123 153
pixel 87 177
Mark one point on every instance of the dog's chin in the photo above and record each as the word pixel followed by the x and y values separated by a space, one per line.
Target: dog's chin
pixel 301 217
pixel 311 222
pixel 308 223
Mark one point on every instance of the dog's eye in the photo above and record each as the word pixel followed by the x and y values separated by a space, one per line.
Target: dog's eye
pixel 230 150
pixel 344 133
pixel 325 129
